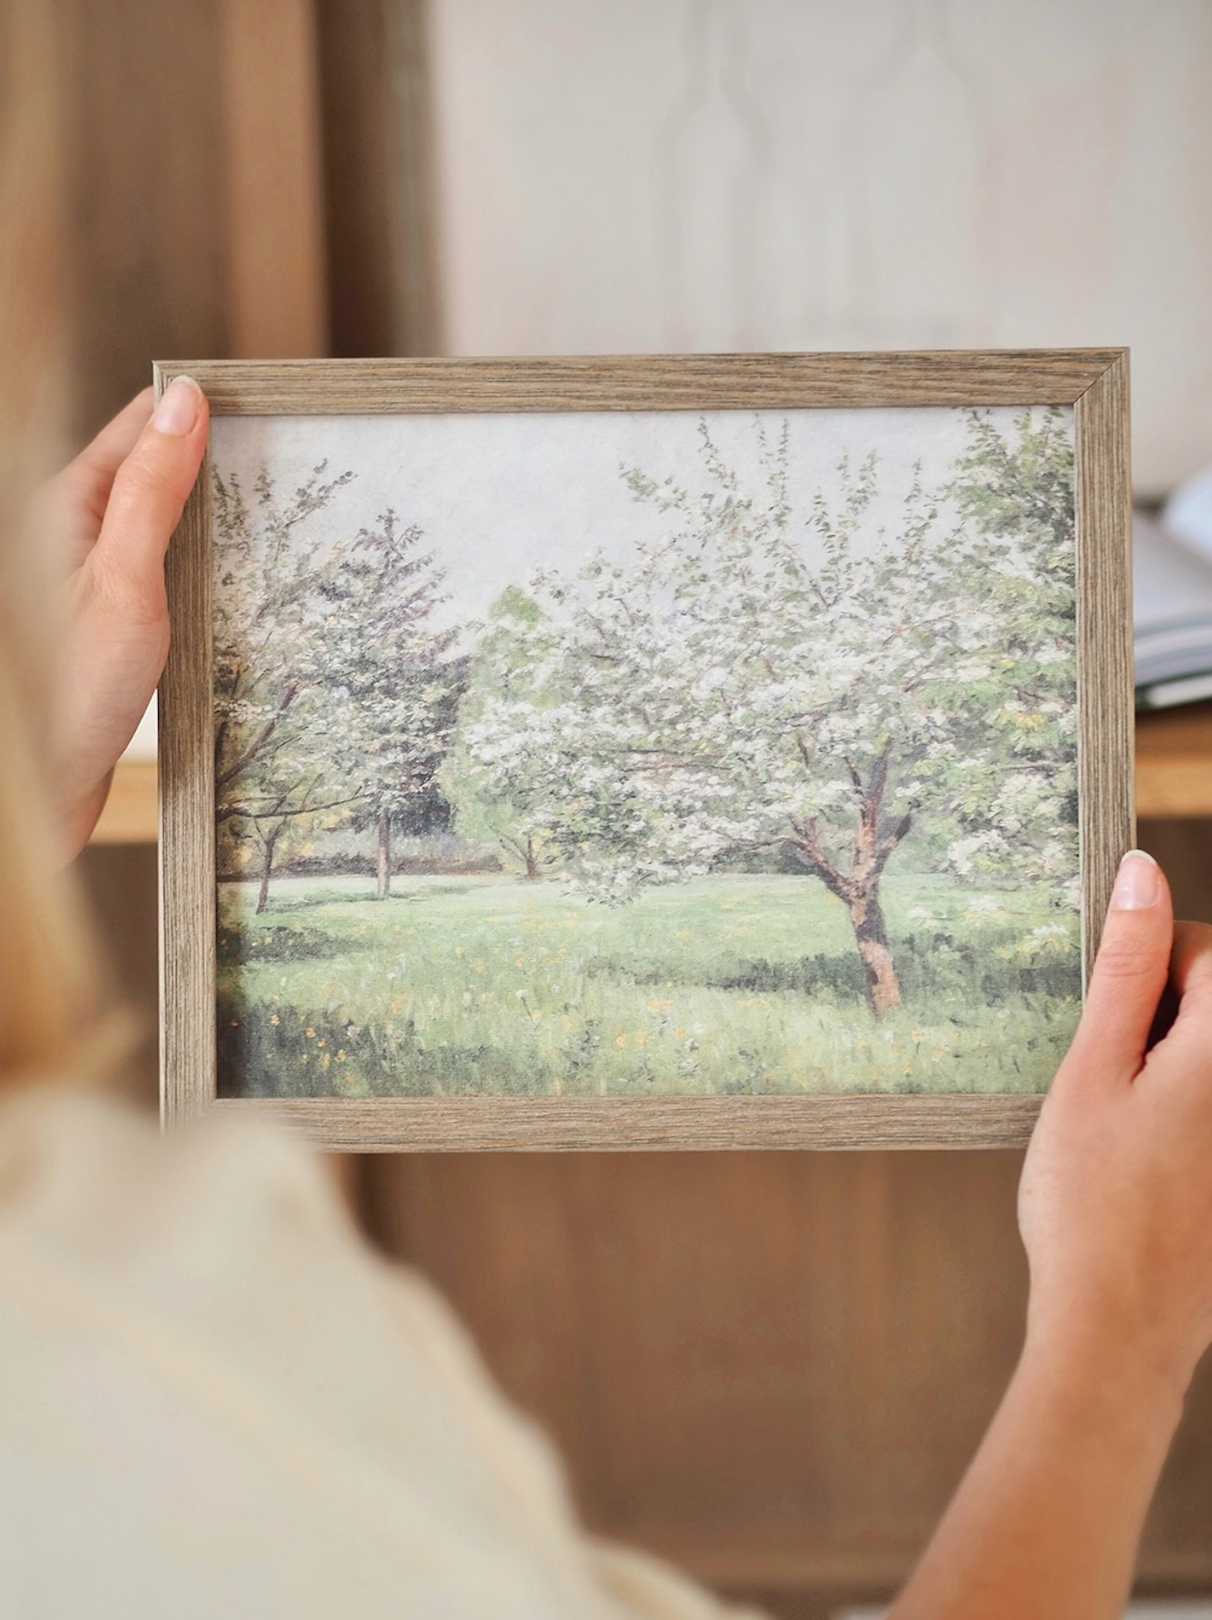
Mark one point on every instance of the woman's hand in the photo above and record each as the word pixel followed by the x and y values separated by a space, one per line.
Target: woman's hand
pixel 1115 1204
pixel 115 508
pixel 1115 1208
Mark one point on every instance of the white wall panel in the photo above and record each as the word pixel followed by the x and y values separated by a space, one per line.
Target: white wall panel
pixel 720 174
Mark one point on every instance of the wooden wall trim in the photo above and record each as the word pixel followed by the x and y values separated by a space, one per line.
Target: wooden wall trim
pixel 379 177
pixel 276 272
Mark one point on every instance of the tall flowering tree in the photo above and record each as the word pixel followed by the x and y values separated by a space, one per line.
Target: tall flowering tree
pixel 391 683
pixel 332 689
pixel 500 796
pixel 273 759
pixel 750 683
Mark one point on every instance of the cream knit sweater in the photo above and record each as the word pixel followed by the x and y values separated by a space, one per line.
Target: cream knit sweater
pixel 217 1403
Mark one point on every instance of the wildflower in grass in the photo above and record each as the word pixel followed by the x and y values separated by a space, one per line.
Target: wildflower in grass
pixel 341 1057
pixel 659 1006
pixel 620 1040
pixel 274 1019
pixel 917 1037
pixel 234 1022
pixel 321 1043
pixel 310 1032
pixel 325 1061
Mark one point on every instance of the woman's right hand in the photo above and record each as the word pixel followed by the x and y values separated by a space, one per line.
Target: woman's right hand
pixel 1115 1204
pixel 1115 1208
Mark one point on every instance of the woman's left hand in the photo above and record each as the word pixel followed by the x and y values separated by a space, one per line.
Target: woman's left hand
pixel 115 508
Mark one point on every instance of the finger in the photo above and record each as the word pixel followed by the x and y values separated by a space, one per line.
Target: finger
pixel 1129 973
pixel 149 490
pixel 88 480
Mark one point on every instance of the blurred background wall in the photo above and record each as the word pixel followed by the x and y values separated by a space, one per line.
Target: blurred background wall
pixel 798 174
pixel 772 1368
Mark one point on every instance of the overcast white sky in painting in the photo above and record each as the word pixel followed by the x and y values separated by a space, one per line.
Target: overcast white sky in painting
pixel 499 495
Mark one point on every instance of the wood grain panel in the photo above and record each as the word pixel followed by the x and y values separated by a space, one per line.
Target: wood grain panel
pixel 1105 761
pixel 771 1368
pixel 384 287
pixel 144 265
pixel 273 227
pixel 650 382
pixel 1174 762
pixel 622 1124
pixel 187 822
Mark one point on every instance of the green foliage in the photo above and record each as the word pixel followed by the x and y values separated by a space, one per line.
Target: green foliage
pixel 716 986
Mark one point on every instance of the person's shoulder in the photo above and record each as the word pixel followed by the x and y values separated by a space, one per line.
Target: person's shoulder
pixel 80 1167
pixel 91 1183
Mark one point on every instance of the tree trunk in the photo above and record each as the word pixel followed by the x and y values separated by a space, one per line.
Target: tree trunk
pixel 532 865
pixel 871 934
pixel 268 841
pixel 384 854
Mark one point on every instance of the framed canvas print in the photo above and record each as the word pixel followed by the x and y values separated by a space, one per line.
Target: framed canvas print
pixel 715 751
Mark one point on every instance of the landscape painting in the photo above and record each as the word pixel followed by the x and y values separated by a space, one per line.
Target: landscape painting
pixel 627 753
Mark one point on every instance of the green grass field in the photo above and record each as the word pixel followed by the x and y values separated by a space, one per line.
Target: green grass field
pixel 726 985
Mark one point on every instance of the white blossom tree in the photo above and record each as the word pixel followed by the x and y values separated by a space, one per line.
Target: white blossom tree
pixel 391 683
pixel 332 690
pixel 499 797
pixel 745 686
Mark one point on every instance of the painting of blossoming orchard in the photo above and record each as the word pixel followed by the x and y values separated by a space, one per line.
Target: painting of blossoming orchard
pixel 629 753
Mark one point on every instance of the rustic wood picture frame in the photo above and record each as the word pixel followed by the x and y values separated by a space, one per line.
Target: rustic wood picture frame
pixel 1092 381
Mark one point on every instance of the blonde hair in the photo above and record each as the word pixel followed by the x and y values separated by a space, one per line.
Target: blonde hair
pixel 50 985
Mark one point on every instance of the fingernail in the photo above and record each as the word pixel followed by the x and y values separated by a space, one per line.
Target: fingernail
pixel 178 408
pixel 1137 883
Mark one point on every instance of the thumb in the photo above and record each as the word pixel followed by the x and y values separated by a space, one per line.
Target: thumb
pixel 148 493
pixel 1129 973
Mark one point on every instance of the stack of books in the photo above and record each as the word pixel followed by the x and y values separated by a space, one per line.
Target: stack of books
pixel 1172 592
